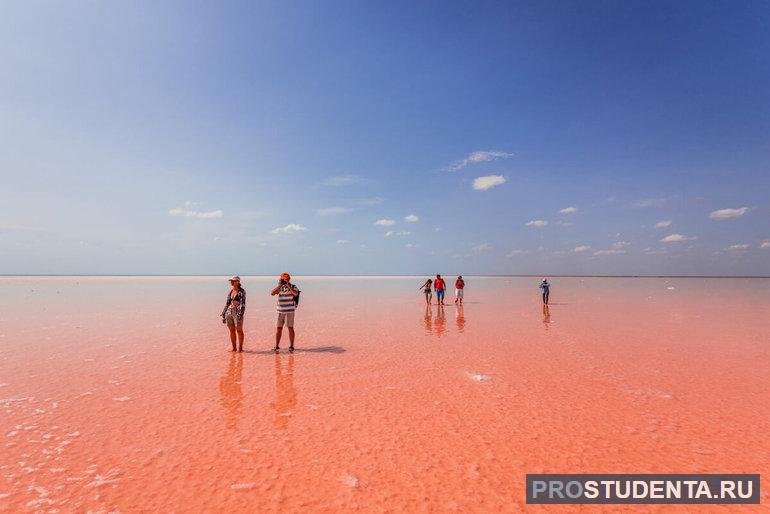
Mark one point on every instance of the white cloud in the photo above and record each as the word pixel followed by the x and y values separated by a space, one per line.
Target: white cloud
pixel 390 233
pixel 536 223
pixel 343 180
pixel 188 212
pixel 765 244
pixel 620 244
pixel 676 238
pixel 562 223
pixel 477 157
pixel 726 214
pixel 609 252
pixel 409 245
pixel 568 210
pixel 650 202
pixel 342 241
pixel 514 253
pixel 488 182
pixel 663 224
pixel 581 248
pixel 412 218
pixel 333 211
pixel 291 228
pixel 385 223
pixel 483 247
pixel 738 247
pixel 375 200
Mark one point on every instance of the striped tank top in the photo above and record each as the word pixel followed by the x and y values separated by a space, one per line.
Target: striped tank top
pixel 285 300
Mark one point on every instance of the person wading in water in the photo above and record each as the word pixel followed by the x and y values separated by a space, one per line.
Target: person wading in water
pixel 232 314
pixel 287 304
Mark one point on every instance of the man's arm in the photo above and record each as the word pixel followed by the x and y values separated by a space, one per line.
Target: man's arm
pixel 275 291
pixel 293 290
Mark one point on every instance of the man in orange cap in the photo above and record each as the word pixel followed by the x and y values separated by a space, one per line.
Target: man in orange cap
pixel 287 293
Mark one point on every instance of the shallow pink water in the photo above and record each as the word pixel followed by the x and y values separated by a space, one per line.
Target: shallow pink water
pixel 118 394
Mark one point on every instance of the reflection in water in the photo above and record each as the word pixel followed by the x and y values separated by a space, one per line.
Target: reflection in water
pixel 428 319
pixel 230 390
pixel 460 317
pixel 440 326
pixel 546 316
pixel 285 394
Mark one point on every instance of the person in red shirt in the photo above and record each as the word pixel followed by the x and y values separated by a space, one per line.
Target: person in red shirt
pixel 440 286
pixel 459 288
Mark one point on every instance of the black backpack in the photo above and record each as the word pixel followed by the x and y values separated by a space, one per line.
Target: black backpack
pixel 296 298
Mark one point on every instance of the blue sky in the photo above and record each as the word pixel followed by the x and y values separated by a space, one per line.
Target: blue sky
pixel 502 138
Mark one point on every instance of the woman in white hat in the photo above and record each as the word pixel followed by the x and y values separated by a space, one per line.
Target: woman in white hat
pixel 232 314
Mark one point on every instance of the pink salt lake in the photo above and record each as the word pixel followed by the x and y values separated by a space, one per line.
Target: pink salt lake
pixel 119 393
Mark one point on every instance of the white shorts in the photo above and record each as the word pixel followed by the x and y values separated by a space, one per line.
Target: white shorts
pixel 459 293
pixel 285 318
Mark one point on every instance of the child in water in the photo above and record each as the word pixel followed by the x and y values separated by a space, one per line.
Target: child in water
pixel 545 287
pixel 427 290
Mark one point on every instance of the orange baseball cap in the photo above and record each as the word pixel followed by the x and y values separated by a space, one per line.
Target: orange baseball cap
pixel 285 276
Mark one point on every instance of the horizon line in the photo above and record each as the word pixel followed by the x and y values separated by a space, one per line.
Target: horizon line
pixel 374 275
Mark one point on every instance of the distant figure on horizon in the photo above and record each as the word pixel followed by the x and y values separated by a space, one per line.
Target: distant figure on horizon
pixel 440 287
pixel 545 287
pixel 287 304
pixel 427 289
pixel 232 314
pixel 459 289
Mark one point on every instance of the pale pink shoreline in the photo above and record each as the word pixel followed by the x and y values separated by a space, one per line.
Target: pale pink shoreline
pixel 137 405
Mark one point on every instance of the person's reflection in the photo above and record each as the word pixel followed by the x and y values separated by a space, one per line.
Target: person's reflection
pixel 230 390
pixel 428 319
pixel 460 317
pixel 546 316
pixel 285 394
pixel 440 326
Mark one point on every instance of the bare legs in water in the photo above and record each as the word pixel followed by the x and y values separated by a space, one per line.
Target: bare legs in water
pixel 278 333
pixel 236 333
